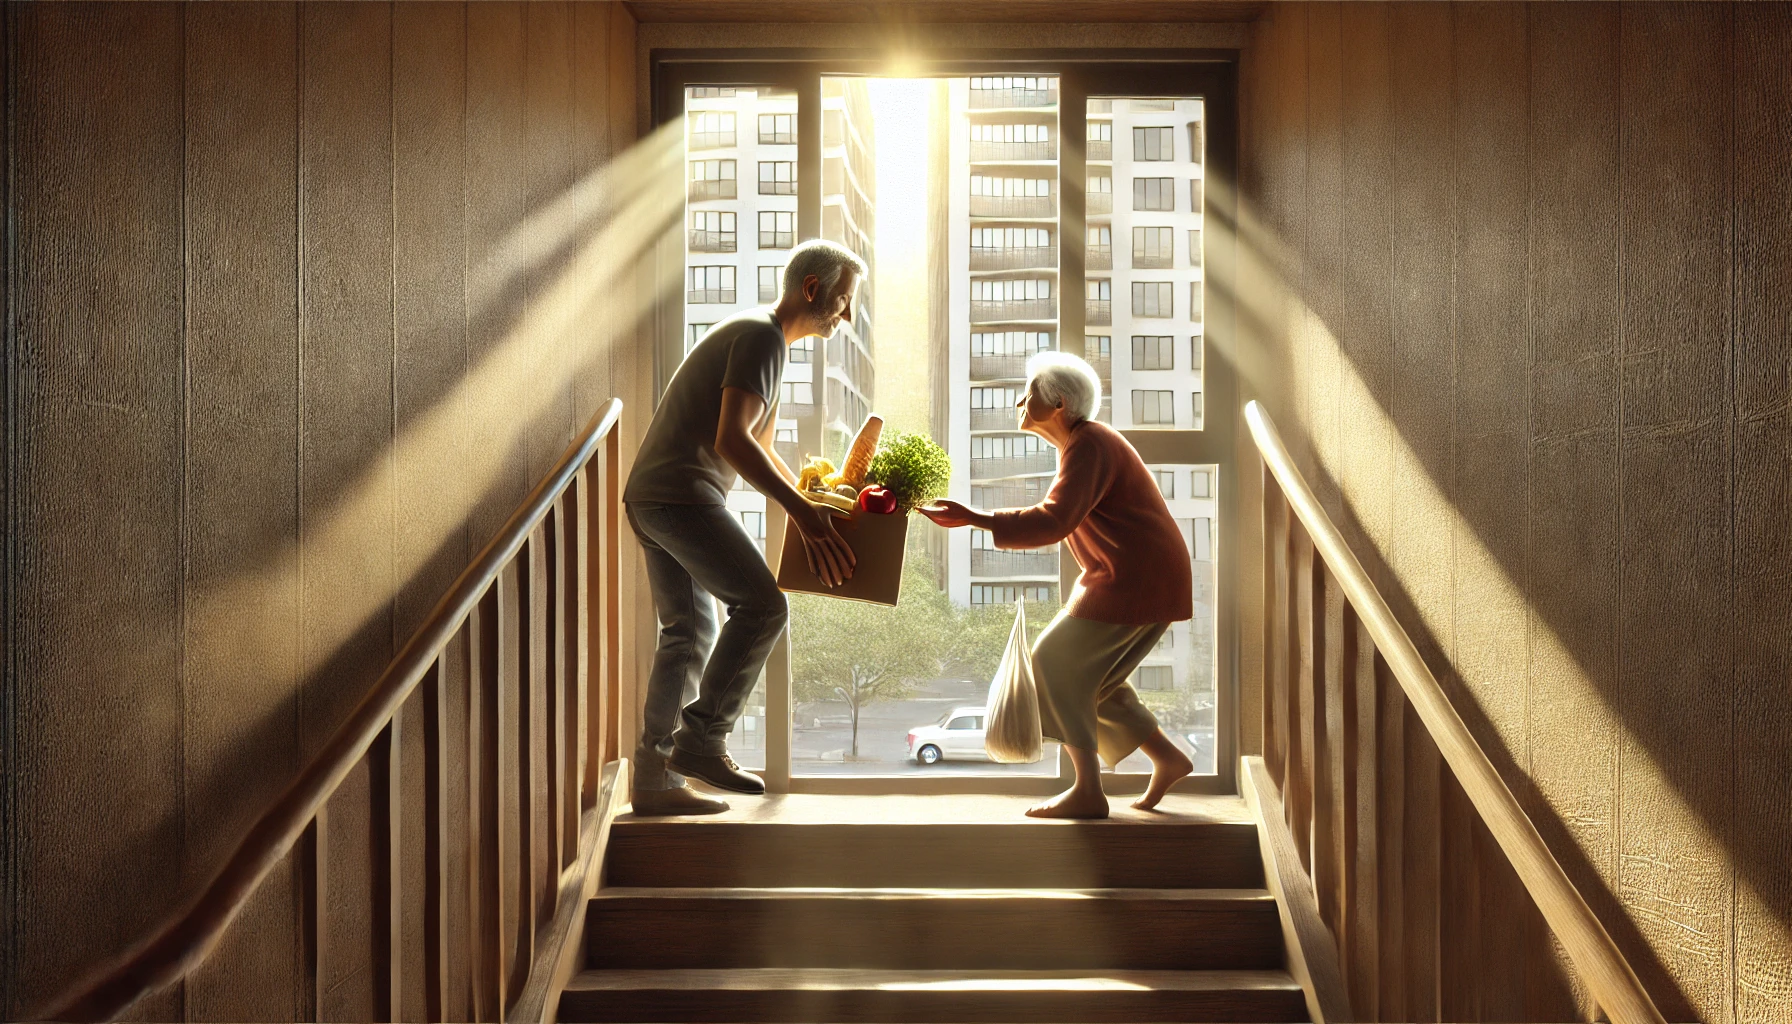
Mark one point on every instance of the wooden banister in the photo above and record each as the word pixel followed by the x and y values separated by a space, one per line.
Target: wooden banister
pixel 1330 640
pixel 481 635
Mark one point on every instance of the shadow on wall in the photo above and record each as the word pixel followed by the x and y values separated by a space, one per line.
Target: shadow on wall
pixel 1267 374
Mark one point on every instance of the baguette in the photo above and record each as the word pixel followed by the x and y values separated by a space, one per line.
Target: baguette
pixel 858 460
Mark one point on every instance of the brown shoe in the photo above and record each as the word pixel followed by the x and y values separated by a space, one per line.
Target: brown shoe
pixel 719 770
pixel 654 803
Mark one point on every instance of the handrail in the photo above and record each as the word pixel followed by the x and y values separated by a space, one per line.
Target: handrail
pixel 1607 974
pixel 185 942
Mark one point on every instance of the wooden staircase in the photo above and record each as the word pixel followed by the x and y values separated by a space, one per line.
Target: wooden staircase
pixel 818 908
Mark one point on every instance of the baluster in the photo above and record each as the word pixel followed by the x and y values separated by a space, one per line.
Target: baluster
pixel 486 864
pixel 547 700
pixel 516 822
pixel 1335 805
pixel 1363 968
pixel 385 798
pixel 312 876
pixel 614 696
pixel 435 847
pixel 1390 863
pixel 597 609
pixel 1421 888
pixel 572 670
pixel 1275 629
pixel 1305 641
pixel 1460 963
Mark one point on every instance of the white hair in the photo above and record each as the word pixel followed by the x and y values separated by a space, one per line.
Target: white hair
pixel 826 260
pixel 1062 377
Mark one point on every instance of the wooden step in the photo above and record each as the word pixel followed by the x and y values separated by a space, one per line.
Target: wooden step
pixel 924 929
pixel 986 841
pixel 1034 997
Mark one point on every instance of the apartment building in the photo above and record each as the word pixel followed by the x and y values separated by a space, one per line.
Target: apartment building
pixel 1143 324
pixel 741 159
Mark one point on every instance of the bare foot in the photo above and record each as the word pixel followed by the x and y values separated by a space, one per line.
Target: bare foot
pixel 1164 773
pixel 1074 802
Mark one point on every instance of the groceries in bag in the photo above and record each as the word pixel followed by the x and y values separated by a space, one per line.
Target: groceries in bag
pixel 1012 730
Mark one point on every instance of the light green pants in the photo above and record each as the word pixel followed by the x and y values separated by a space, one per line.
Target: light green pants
pixel 1081 668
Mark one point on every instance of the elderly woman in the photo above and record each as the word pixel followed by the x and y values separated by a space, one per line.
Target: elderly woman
pixel 1136 580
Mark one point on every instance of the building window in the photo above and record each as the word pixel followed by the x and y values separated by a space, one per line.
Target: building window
pixel 1198 409
pixel 771 285
pixel 1152 299
pixel 1194 195
pixel 777 177
pixel 1153 352
pixel 1010 188
pixel 712 179
pixel 1100 237
pixel 1196 144
pixel 710 285
pixel 1011 133
pixel 1010 238
pixel 1153 248
pixel 693 334
pixel 796 392
pixel 1203 539
pixel 1153 144
pixel 1200 483
pixel 1194 247
pixel 1194 301
pixel 1194 352
pixel 1098 349
pixel 1155 677
pixel 711 129
pixel 1026 290
pixel 802 352
pixel 1154 194
pixel 754 524
pixel 1098 301
pixel 712 231
pixel 1101 131
pixel 711 92
pixel 995 398
pixel 1153 409
pixel 777 129
pixel 1100 184
pixel 1011 447
pixel 777 229
pixel 1166 481
pixel 987 593
pixel 1009 343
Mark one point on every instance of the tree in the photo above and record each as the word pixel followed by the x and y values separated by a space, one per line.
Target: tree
pixel 981 635
pixel 863 653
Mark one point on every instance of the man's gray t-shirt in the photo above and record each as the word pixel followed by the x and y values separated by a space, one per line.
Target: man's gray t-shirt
pixel 678 463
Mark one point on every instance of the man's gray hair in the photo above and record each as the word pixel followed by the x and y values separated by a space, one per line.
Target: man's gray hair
pixel 826 260
pixel 1062 377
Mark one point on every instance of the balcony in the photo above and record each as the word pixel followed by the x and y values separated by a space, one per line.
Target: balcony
pixel 997 310
pixel 712 140
pixel 995 469
pixel 1013 495
pixel 995 419
pixel 712 241
pixel 721 188
pixel 1101 150
pixel 998 367
pixel 1098 204
pixel 1004 152
pixel 1013 206
pixel 1033 257
pixel 709 296
pixel 997 99
pixel 1165 261
pixel 1098 257
pixel 1014 563
pixel 1098 312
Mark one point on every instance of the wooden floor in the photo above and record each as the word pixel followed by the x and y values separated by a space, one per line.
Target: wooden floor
pixel 809 809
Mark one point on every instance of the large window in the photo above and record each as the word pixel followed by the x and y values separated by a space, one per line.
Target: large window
pixel 1154 408
pixel 1153 144
pixel 771 284
pixel 710 285
pixel 1153 248
pixel 777 129
pixel 1151 299
pixel 1153 352
pixel 712 179
pixel 712 129
pixel 777 177
pixel 777 229
pixel 712 231
pixel 1154 194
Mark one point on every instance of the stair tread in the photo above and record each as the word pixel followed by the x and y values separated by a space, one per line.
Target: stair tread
pixel 1227 896
pixel 936 810
pixel 849 979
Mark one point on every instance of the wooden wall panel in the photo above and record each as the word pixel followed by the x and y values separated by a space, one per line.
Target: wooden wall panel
pixel 548 148
pixel 1323 253
pixel 346 457
pixel 1763 489
pixel 1674 183
pixel 97 443
pixel 242 656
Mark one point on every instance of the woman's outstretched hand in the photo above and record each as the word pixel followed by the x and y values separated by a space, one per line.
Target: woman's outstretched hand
pixel 950 514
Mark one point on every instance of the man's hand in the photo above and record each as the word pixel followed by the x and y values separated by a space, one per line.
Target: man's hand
pixel 829 557
pixel 951 514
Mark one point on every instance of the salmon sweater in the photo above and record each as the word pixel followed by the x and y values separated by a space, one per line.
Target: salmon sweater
pixel 1106 504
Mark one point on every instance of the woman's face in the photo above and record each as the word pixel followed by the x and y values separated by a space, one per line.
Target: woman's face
pixel 1036 412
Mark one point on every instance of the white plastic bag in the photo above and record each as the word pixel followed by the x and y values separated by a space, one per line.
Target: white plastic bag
pixel 1011 734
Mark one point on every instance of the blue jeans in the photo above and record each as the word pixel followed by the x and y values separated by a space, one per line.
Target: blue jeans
pixel 701 678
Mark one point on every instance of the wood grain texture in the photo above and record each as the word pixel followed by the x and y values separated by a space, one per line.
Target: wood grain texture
pixel 912 11
pixel 97 520
pixel 1763 488
pixel 242 657
pixel 1675 545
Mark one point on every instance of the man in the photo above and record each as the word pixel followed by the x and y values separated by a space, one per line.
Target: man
pixel 715 421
